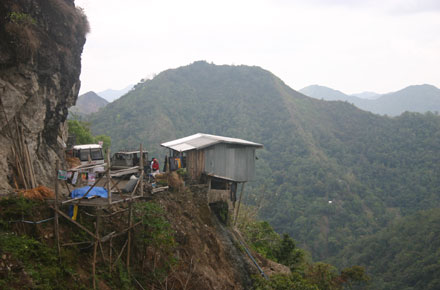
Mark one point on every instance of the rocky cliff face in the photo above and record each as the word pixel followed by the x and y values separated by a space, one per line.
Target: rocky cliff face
pixel 41 42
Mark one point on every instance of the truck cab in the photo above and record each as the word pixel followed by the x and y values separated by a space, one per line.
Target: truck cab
pixel 127 159
pixel 89 154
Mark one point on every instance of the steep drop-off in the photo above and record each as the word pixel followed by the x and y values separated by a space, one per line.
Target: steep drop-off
pixel 41 42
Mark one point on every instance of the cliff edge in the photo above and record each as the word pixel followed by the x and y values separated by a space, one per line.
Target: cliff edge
pixel 41 42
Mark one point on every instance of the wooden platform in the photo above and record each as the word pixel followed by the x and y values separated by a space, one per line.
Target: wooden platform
pixel 99 201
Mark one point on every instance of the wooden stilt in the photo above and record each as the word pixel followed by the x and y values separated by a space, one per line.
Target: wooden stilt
pixel 141 173
pixel 120 253
pixel 110 257
pixel 109 190
pixel 95 247
pixel 239 202
pixel 57 230
pixel 130 223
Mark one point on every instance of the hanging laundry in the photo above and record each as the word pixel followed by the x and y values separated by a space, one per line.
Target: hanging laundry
pixel 92 178
pixel 75 178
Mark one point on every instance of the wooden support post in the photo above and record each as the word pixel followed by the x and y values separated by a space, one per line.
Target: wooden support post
pixel 120 253
pixel 57 230
pixel 141 172
pixel 115 185
pixel 95 247
pixel 239 202
pixel 109 178
pixel 130 224
pixel 110 257
pixel 68 187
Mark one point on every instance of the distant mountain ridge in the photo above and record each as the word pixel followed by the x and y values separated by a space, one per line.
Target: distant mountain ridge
pixel 328 94
pixel 416 98
pixel 110 95
pixel 367 95
pixel 88 103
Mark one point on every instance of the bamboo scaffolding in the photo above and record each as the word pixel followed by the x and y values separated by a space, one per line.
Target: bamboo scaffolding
pixel 97 240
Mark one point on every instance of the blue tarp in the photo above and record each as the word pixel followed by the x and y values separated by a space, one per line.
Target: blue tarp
pixel 98 191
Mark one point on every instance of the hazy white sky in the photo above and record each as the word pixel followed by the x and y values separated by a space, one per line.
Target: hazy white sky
pixel 348 45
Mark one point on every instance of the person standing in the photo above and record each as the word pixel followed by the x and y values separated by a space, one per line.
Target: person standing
pixel 154 167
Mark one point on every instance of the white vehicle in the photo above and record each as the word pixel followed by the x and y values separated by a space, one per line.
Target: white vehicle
pixel 89 154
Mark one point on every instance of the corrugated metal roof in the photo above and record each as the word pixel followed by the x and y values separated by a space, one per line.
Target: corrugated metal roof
pixel 87 146
pixel 200 141
pixel 130 152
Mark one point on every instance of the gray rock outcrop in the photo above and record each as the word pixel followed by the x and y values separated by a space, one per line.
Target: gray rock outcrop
pixel 41 42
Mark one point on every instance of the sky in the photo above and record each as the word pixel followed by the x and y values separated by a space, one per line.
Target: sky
pixel 352 46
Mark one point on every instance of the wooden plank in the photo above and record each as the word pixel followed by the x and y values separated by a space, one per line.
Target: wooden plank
pixel 127 171
pixel 86 166
pixel 74 244
pixel 159 189
pixel 127 199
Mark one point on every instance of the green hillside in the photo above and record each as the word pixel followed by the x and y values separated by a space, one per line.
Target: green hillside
pixel 404 255
pixel 372 168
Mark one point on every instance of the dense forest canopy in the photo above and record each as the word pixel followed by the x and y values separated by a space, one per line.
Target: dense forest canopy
pixel 329 173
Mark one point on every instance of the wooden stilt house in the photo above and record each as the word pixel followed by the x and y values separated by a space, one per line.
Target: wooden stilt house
pixel 216 156
pixel 222 162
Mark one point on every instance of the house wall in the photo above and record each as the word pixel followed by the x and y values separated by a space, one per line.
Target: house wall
pixel 195 160
pixel 235 162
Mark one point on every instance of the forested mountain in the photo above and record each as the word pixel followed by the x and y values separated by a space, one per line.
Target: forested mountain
pixel 419 98
pixel 405 255
pixel 372 168
pixel 88 103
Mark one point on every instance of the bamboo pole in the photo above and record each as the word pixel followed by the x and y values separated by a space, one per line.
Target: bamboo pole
pixel 110 256
pixel 74 244
pixel 76 223
pixel 115 185
pixel 141 174
pixel 95 247
pixel 14 149
pixel 57 230
pixel 109 190
pixel 120 253
pixel 130 224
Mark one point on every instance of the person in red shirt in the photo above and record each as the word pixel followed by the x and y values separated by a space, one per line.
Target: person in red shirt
pixel 154 166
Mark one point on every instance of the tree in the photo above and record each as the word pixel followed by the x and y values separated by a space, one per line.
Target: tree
pixel 83 134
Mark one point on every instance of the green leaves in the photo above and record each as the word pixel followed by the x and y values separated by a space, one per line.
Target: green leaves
pixel 83 135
